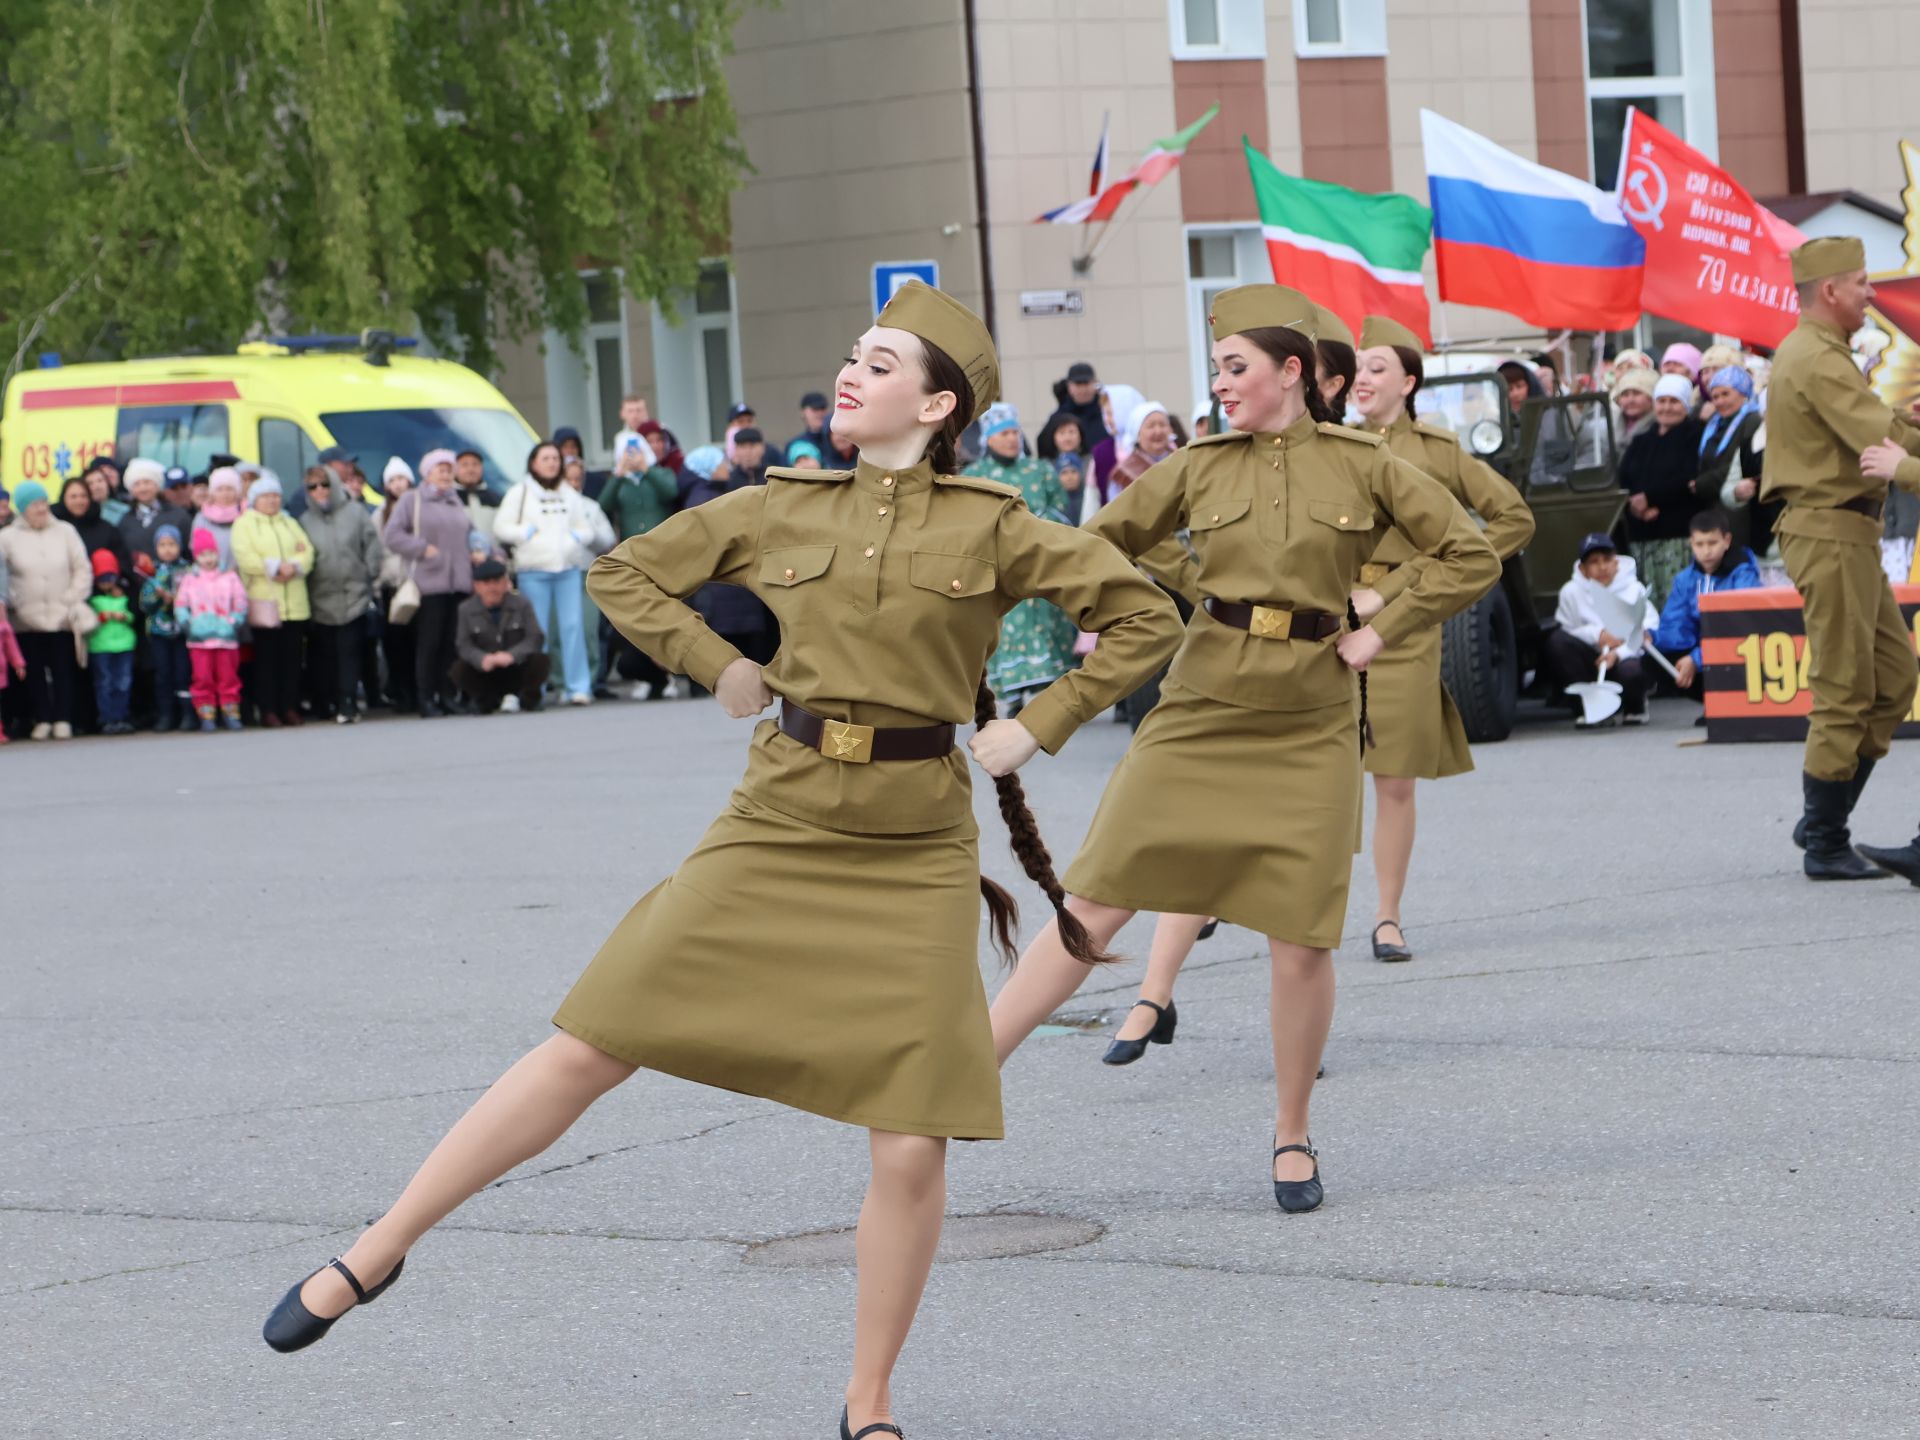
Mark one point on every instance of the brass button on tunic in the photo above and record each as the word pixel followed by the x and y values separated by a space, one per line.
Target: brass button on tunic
pixel 1417 728
pixel 1240 796
pixel 820 945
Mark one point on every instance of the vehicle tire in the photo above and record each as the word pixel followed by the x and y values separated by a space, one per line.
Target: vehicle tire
pixel 1479 657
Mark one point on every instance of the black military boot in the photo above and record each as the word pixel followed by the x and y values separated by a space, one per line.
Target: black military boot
pixel 1855 788
pixel 1904 861
pixel 1829 855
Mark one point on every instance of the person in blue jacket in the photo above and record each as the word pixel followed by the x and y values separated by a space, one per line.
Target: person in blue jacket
pixel 1717 565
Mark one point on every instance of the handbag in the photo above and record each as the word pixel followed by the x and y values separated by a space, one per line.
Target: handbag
pixel 406 599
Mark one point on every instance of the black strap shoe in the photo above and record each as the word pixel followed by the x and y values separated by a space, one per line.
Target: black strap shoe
pixel 1125 1052
pixel 879 1427
pixel 1830 855
pixel 1390 952
pixel 1296 1197
pixel 291 1326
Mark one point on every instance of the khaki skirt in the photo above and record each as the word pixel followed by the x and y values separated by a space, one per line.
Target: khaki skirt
pixel 1417 731
pixel 1250 815
pixel 837 973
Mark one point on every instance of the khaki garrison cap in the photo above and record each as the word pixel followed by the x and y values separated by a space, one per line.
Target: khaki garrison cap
pixel 1379 330
pixel 1260 307
pixel 1329 326
pixel 1828 256
pixel 943 322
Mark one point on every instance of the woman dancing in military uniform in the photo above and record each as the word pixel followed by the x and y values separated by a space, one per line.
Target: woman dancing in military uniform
pixel 1240 796
pixel 850 985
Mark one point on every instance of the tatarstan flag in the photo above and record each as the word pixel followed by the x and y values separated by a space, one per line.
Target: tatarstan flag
pixel 1154 166
pixel 1356 254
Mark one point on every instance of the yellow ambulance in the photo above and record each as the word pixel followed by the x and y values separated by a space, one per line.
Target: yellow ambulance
pixel 278 402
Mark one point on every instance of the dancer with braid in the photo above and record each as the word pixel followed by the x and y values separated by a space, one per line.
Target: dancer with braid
pixel 1241 794
pixel 820 945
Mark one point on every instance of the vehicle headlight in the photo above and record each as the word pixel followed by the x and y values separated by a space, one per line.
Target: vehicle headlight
pixel 1485 437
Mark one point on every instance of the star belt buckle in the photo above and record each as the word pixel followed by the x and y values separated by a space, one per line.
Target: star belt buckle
pixel 1270 624
pixel 843 740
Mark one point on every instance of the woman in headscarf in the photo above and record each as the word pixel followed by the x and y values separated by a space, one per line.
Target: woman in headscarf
pixel 1632 404
pixel 1145 438
pixel 1731 448
pixel 1036 637
pixel 1657 473
pixel 1117 402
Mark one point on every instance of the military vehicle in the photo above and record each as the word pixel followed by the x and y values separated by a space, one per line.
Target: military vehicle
pixel 1559 453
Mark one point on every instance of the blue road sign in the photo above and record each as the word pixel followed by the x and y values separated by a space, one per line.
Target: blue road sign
pixel 890 275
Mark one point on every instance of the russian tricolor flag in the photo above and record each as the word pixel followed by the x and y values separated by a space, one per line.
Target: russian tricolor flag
pixel 1535 242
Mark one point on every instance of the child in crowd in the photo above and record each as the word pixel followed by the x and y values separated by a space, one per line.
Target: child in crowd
pixel 13 664
pixel 210 603
pixel 1603 615
pixel 111 645
pixel 166 642
pixel 1718 564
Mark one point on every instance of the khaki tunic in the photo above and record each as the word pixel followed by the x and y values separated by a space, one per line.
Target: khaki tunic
pixel 1417 729
pixel 1820 415
pixel 1241 794
pixel 820 946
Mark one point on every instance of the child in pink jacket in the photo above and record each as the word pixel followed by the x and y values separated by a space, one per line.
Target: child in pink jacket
pixel 210 604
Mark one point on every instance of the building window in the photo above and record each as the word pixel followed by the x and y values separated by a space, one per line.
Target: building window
pixel 1656 56
pixel 584 385
pixel 1218 29
pixel 1324 28
pixel 696 356
pixel 1219 257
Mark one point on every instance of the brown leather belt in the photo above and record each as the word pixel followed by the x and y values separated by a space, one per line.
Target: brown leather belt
pixel 857 744
pixel 1864 505
pixel 1271 624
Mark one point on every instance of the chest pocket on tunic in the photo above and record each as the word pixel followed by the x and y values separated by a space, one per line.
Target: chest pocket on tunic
pixel 1342 515
pixel 955 576
pixel 795 565
pixel 1205 515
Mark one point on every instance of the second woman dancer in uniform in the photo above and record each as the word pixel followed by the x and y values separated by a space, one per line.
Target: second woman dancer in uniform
pixel 820 945
pixel 1240 796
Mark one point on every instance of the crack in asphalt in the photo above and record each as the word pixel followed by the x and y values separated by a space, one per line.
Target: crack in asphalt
pixel 1485 1287
pixel 629 1149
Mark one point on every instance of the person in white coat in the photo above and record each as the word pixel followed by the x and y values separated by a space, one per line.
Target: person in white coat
pixel 1603 615
pixel 554 532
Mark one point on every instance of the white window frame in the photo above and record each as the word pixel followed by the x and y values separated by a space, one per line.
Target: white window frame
pixel 682 385
pixel 1243 31
pixel 1694 85
pixel 1363 31
pixel 1250 267
pixel 573 375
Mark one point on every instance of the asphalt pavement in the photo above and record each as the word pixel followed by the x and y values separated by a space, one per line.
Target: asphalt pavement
pixel 1628 1150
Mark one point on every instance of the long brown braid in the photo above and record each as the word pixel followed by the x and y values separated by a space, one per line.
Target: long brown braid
pixel 1023 836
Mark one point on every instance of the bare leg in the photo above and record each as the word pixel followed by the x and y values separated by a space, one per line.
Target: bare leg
pixel 899 1230
pixel 1047 975
pixel 1392 847
pixel 1173 940
pixel 522 1113
pixel 1302 1015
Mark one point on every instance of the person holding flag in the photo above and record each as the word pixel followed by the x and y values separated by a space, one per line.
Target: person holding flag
pixel 1833 448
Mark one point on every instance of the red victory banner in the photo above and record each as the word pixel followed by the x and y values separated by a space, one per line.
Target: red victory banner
pixel 1716 257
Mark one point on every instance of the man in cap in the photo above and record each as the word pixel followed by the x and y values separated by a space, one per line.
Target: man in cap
pixel 1832 448
pixel 1079 396
pixel 500 655
pixel 813 421
pixel 336 459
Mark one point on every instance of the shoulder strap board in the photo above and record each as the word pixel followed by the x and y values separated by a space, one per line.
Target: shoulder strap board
pixel 817 477
pixel 1222 436
pixel 998 489
pixel 1435 432
pixel 1343 432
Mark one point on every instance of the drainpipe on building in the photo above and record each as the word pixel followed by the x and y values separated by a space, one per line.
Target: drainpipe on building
pixel 1795 113
pixel 979 166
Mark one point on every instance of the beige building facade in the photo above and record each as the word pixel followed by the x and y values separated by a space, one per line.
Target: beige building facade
pixel 933 131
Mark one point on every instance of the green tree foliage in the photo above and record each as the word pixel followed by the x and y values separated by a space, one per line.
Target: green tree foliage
pixel 179 174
